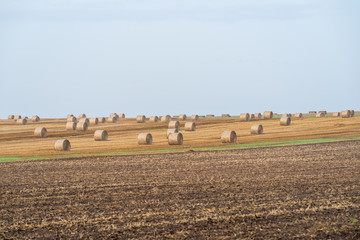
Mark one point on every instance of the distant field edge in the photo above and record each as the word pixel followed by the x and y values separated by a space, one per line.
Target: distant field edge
pixel 187 149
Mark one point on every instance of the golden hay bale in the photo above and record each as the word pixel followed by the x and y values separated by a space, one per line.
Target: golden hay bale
pixel 285 121
pixel 121 115
pixel 21 121
pixel 16 117
pixel 83 115
pixel 115 116
pixel 268 114
pixel 140 118
pixel 35 118
pixel 101 135
pixel 26 117
pixel 286 115
pixel 244 117
pixel 252 116
pixel 85 120
pixel 190 126
pixel 194 117
pixel 325 112
pixel 298 115
pixel 40 132
pixel 228 137
pixel 320 114
pixel 174 124
pixel 165 119
pixel 111 119
pixel 257 115
pixel 11 117
pixel 312 112
pixel 171 130
pixel 225 115
pixel 256 129
pixel 210 115
pixel 71 119
pixel 175 139
pixel 82 126
pixel 102 120
pixel 336 114
pixel 70 125
pixel 154 119
pixel 182 117
pixel 69 115
pixel 346 114
pixel 62 145
pixel 145 139
pixel 94 121
pixel 352 113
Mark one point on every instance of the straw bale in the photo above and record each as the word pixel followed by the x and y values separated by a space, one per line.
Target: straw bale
pixel 40 132
pixel 228 137
pixel 268 114
pixel 101 135
pixel 62 145
pixel 175 139
pixel 285 121
pixel 70 125
pixel 190 126
pixel 145 139
pixel 256 129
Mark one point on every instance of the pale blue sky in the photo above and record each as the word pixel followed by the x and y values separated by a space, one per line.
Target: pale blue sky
pixel 171 57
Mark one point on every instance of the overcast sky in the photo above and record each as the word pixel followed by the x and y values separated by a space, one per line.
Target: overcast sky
pixel 157 57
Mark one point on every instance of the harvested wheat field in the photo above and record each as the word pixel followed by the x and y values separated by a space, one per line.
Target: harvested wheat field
pixel 304 192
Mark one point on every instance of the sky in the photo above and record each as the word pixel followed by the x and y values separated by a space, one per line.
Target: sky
pixel 158 57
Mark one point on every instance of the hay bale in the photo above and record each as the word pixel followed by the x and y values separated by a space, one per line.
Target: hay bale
pixel 101 135
pixel 312 112
pixel 140 119
pixel 257 115
pixel 268 115
pixel 62 145
pixel 35 118
pixel 194 117
pixel 71 119
pixel 182 117
pixel 145 139
pixel 85 120
pixel 102 120
pixel 325 112
pixel 70 125
pixel 82 126
pixel 111 119
pixel 244 117
pixel 16 117
pixel 171 130
pixel 175 139
pixel 94 121
pixel 225 115
pixel 285 121
pixel 298 115
pixel 165 119
pixel 26 118
pixel 228 137
pixel 121 115
pixel 320 114
pixel 40 132
pixel 83 115
pixel 154 119
pixel 69 115
pixel 252 116
pixel 11 117
pixel 256 129
pixel 286 115
pixel 114 115
pixel 210 115
pixel 190 126
pixel 352 113
pixel 346 114
pixel 21 121
pixel 174 124
pixel 336 114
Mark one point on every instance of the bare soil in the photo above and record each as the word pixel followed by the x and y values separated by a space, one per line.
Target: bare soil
pixel 293 192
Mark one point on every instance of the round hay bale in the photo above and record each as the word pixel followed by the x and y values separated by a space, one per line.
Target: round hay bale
pixel 21 121
pixel 114 115
pixel 346 114
pixel 94 121
pixel 154 119
pixel 190 126
pixel 256 129
pixel 312 112
pixel 101 135
pixel 140 118
pixel 268 115
pixel 228 137
pixel 145 139
pixel 171 130
pixel 298 115
pixel 320 114
pixel 69 115
pixel 225 115
pixel 82 126
pixel 195 117
pixel 71 119
pixel 83 115
pixel 62 145
pixel 85 120
pixel 26 118
pixel 16 117
pixel 325 112
pixel 111 119
pixel 70 125
pixel 175 139
pixel 257 115
pixel 11 117
pixel 244 117
pixel 40 132
pixel 165 119
pixel 174 124
pixel 286 115
pixel 210 115
pixel 182 117
pixel 285 121
pixel 35 118
pixel 121 115
pixel 352 113
pixel 252 116
pixel 102 120
pixel 336 114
